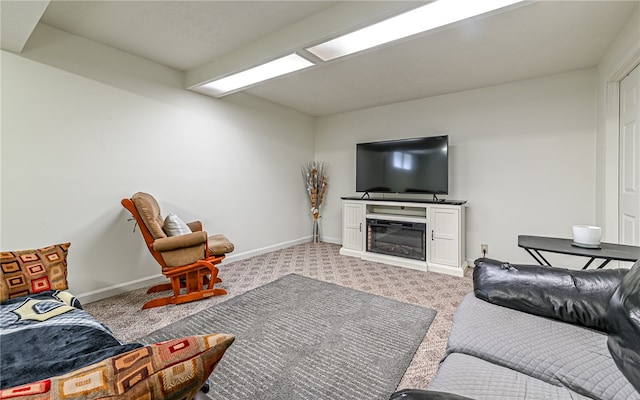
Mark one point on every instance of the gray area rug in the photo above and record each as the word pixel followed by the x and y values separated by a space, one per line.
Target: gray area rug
pixel 300 338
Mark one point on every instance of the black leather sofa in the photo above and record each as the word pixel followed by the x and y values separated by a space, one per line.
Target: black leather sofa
pixel 535 332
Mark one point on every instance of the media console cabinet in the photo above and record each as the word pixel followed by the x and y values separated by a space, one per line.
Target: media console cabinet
pixel 423 235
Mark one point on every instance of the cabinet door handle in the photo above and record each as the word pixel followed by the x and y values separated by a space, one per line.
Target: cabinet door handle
pixel 432 234
pixel 360 226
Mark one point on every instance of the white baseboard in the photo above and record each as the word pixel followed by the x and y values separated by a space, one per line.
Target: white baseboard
pixel 445 269
pixel 263 250
pixel 331 240
pixel 120 288
pixel 159 278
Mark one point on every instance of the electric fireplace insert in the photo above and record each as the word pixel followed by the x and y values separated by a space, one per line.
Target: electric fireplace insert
pixel 396 238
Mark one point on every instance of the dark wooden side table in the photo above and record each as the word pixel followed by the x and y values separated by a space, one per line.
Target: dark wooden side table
pixel 607 251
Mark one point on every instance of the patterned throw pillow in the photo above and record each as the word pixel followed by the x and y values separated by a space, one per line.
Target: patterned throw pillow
pixel 26 272
pixel 175 369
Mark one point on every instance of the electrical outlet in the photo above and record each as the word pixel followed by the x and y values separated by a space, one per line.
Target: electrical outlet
pixel 484 249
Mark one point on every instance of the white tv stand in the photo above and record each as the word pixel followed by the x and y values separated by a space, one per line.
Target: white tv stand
pixel 444 234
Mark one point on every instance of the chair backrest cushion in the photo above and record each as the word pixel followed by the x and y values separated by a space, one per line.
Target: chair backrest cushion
pixel 149 211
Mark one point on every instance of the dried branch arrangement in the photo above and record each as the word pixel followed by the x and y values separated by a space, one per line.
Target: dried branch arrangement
pixel 315 180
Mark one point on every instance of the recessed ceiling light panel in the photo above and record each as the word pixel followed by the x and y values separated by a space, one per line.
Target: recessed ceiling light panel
pixel 430 16
pixel 281 66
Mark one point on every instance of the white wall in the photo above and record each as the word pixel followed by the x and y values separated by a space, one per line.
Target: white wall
pixel 521 154
pixel 75 143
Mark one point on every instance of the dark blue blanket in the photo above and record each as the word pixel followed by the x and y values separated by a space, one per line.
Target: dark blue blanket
pixel 49 334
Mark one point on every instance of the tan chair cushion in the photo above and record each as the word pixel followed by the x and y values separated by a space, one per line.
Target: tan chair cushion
pixel 182 250
pixel 195 226
pixel 181 242
pixel 219 245
pixel 186 256
pixel 149 211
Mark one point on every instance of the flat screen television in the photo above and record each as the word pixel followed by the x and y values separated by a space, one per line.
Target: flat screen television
pixel 419 165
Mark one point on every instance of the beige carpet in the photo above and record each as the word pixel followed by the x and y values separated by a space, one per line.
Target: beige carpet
pixel 322 261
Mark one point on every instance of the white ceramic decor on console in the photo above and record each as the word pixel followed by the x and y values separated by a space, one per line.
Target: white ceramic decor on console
pixel 438 226
pixel 586 236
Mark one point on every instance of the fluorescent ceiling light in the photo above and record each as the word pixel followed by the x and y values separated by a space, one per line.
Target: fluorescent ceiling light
pixel 271 69
pixel 430 16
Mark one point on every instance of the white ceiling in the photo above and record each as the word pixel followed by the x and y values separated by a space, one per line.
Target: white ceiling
pixel 206 39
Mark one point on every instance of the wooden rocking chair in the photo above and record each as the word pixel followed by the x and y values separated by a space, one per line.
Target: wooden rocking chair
pixel 188 260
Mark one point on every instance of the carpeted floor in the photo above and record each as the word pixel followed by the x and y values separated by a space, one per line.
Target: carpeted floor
pixel 322 261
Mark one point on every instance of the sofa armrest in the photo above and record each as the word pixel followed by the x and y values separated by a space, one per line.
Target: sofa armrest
pixel 577 297
pixel 180 242
pixel 417 394
pixel 624 326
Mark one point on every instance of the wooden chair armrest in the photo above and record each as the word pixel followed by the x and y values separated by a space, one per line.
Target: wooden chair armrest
pixel 180 242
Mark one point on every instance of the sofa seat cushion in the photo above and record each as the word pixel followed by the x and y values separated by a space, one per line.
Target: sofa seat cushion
pixel 555 352
pixel 472 377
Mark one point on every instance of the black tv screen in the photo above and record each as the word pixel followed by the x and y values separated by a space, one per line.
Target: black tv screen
pixel 419 165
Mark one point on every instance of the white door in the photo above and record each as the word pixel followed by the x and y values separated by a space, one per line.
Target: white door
pixel 629 214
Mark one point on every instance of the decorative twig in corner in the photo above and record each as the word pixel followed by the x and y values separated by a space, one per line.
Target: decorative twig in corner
pixel 314 175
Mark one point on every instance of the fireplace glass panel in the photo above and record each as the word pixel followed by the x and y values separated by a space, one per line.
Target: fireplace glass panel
pixel 402 239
